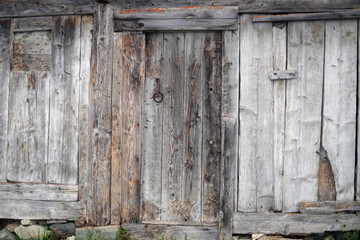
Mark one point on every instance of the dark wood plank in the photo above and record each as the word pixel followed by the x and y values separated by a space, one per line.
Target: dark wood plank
pixel 5 31
pixel 175 24
pixel 329 207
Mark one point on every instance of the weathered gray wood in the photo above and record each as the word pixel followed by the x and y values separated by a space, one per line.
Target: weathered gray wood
pixel 178 13
pixel 211 152
pixel 85 176
pixel 41 192
pixel 140 4
pixel 64 101
pixel 28 126
pixel 10 8
pixel 131 82
pixel 192 179
pixel 329 207
pixel 32 24
pixel 303 113
pixel 173 143
pixel 5 31
pixel 279 61
pixel 256 177
pixel 357 174
pixel 309 16
pixel 283 75
pixel 154 231
pixel 100 115
pixel 30 209
pixel 339 114
pixel 175 24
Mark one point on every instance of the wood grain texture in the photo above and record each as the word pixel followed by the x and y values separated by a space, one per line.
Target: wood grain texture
pixel 326 182
pixel 357 173
pixel 5 31
pixel 279 63
pixel 100 116
pixel 256 175
pixel 303 113
pixel 175 24
pixel 41 210
pixel 329 207
pixel 283 75
pixel 293 224
pixel 40 192
pixel 33 24
pixel 28 126
pixel 339 115
pixel 201 12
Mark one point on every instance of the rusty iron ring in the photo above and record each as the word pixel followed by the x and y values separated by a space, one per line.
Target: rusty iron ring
pixel 156 97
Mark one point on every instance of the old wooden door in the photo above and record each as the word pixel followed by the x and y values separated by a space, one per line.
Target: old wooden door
pixel 44 69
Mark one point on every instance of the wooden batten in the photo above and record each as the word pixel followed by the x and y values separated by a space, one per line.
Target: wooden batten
pixel 329 207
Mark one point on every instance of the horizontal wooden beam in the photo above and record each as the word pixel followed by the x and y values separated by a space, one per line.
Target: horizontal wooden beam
pixel 283 75
pixel 308 16
pixel 40 210
pixel 292 224
pixel 330 207
pixel 204 12
pixel 43 192
pixel 33 24
pixel 175 24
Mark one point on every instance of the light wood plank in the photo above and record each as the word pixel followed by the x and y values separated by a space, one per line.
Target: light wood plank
pixel 173 87
pixel 329 207
pixel 339 115
pixel 33 24
pixel 211 144
pixel 28 126
pixel 256 118
pixel 175 24
pixel 303 113
pixel 192 179
pixel 194 12
pixel 293 224
pixel 279 61
pixel 64 101
pixel 132 82
pixel 85 175
pixel 41 192
pixel 41 210
pixel 5 31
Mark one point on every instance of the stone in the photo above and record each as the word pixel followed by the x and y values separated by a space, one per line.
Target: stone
pixel 27 222
pixel 256 236
pixel 33 231
pixel 11 226
pixel 7 235
pixel 63 230
pixel 70 238
pixel 103 233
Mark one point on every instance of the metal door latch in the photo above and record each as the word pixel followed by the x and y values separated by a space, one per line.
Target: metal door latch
pixel 158 96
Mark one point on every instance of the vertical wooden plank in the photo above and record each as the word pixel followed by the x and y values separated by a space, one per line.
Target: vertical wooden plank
pixel 100 115
pixel 28 126
pixel 194 44
pixel 212 70
pixel 5 31
pixel 303 113
pixel 64 101
pixel 84 121
pixel 116 130
pixel 357 179
pixel 279 61
pixel 133 77
pixel 339 115
pixel 256 177
pixel 173 208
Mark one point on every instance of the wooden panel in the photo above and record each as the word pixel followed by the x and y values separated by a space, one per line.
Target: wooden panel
pixel 132 80
pixel 292 224
pixel 41 210
pixel 357 174
pixel 283 75
pixel 279 63
pixel 85 173
pixel 329 207
pixel 175 24
pixel 33 24
pixel 303 113
pixel 211 153
pixel 41 192
pixel 256 118
pixel 100 116
pixel 5 28
pixel 339 114
pixel 173 87
pixel 28 126
pixel 10 8
pixel 178 13
pixel 64 101
pixel 192 183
